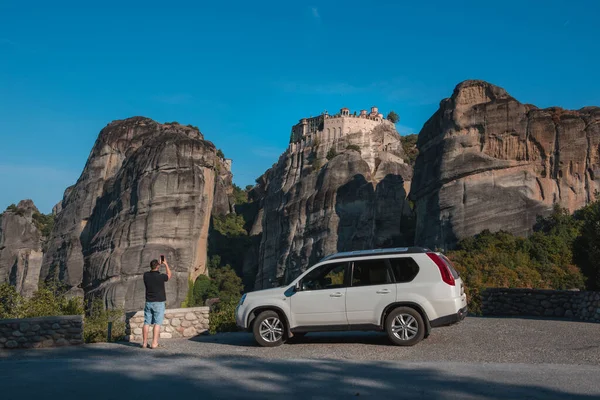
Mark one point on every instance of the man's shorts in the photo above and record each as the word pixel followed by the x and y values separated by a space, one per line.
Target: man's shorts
pixel 154 313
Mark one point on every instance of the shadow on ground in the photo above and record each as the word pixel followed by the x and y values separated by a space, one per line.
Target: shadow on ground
pixel 246 339
pixel 107 372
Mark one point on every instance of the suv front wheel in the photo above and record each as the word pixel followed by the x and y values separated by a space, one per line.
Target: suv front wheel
pixel 268 329
pixel 405 326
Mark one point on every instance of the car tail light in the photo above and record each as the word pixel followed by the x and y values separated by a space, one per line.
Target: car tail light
pixel 444 270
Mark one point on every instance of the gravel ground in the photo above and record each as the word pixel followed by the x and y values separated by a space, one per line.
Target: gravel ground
pixel 481 340
pixel 480 358
pixel 497 340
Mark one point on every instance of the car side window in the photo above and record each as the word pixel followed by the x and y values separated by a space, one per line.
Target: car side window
pixel 405 269
pixel 329 276
pixel 371 272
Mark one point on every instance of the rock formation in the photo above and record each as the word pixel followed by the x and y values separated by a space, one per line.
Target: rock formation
pixel 147 189
pixel 310 204
pixel 487 161
pixel 20 247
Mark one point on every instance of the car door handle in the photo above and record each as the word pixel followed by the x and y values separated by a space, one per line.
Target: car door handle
pixel 336 294
pixel 383 291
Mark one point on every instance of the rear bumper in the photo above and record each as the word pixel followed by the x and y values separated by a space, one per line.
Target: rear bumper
pixel 449 319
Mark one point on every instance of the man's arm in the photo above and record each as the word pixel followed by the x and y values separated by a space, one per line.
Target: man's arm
pixel 168 269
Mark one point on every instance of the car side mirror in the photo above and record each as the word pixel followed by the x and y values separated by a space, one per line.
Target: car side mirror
pixel 298 287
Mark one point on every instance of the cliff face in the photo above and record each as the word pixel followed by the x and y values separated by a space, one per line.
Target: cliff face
pixel 20 248
pixel 309 206
pixel 487 161
pixel 147 189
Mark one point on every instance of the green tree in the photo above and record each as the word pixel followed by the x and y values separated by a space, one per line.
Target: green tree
pixel 204 289
pixel 587 245
pixel 409 144
pixel 240 196
pixel 393 117
pixel 220 154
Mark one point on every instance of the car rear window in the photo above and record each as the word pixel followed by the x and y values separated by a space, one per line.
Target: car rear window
pixel 405 269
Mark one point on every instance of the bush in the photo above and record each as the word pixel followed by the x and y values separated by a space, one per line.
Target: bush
pixel 409 144
pixel 240 196
pixel 11 302
pixel 95 327
pixel 222 318
pixel 48 300
pixel 587 245
pixel 543 261
pixel 353 147
pixel 44 222
pixel 220 154
pixel 331 153
pixel 223 284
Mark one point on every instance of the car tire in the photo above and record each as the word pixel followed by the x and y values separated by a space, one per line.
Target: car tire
pixel 405 326
pixel 269 329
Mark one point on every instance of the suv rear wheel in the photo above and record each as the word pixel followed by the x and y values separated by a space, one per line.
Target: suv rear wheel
pixel 268 329
pixel 405 326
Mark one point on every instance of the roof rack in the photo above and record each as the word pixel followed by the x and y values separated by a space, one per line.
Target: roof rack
pixel 376 252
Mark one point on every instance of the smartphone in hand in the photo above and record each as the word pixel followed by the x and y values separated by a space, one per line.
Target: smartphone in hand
pixel 162 259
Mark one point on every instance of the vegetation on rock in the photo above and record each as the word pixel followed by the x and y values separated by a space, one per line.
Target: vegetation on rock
pixel 331 153
pixel 409 144
pixel 240 196
pixel 353 147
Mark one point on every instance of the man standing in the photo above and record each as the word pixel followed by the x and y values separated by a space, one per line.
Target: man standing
pixel 154 310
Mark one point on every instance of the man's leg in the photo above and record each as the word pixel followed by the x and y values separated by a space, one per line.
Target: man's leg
pixel 145 336
pixel 147 321
pixel 158 311
pixel 155 334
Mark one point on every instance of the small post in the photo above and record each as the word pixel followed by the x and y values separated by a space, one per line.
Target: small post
pixel 109 336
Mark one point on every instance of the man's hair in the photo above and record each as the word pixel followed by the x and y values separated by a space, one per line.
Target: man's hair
pixel 153 264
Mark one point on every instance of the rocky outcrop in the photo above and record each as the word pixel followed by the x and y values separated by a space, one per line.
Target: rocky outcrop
pixel 20 247
pixel 223 200
pixel 487 161
pixel 147 189
pixel 311 205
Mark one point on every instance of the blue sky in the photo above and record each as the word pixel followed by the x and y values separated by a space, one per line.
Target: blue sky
pixel 244 72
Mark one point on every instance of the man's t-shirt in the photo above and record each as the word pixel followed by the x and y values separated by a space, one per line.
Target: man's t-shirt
pixel 155 286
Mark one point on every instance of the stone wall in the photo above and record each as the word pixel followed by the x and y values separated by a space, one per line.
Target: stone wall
pixel 178 323
pixel 41 332
pixel 542 303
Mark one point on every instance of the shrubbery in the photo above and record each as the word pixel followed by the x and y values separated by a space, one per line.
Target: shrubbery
pixel 223 284
pixel 95 327
pixel 51 300
pixel 48 300
pixel 353 147
pixel 409 144
pixel 545 260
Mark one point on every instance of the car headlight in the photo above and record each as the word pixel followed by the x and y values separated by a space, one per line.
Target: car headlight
pixel 242 299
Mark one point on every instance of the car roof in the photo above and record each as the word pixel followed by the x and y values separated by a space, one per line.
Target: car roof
pixel 376 252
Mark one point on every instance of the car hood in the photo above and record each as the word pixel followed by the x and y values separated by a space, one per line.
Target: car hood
pixel 267 292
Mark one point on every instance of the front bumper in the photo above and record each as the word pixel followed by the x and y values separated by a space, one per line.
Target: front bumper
pixel 450 319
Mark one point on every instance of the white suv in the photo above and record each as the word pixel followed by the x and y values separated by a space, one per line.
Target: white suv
pixel 403 291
